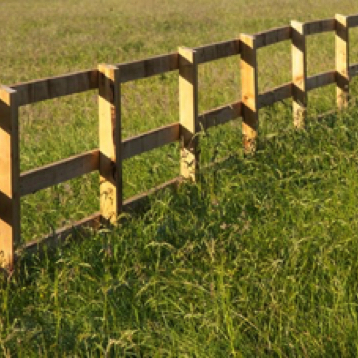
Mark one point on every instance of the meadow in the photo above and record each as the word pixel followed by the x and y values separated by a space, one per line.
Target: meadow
pixel 259 258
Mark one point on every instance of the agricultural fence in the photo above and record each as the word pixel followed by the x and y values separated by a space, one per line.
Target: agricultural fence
pixel 108 158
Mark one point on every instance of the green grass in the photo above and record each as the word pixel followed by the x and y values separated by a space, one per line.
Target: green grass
pixel 256 259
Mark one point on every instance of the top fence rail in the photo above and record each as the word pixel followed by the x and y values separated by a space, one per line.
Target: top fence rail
pixel 72 83
pixel 107 80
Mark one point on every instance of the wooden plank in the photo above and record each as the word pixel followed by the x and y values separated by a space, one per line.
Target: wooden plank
pixel 220 115
pixel 9 177
pixel 58 172
pixel 272 36
pixel 320 80
pixel 249 80
pixel 217 51
pixel 138 201
pixel 342 61
pixel 188 113
pixel 274 95
pixel 53 87
pixel 150 140
pixel 299 74
pixel 352 20
pixel 353 70
pixel 319 26
pixel 110 157
pixel 148 67
pixel 55 239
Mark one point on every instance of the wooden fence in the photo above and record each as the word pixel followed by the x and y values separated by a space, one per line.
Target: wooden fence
pixel 107 159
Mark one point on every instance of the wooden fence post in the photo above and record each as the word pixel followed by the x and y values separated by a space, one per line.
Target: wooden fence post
pixel 299 74
pixel 249 81
pixel 110 159
pixel 342 60
pixel 9 177
pixel 188 113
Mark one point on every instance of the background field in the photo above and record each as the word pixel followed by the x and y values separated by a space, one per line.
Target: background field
pixel 265 263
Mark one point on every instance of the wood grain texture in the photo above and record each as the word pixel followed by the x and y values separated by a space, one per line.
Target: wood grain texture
pixel 299 74
pixel 249 81
pixel 353 70
pixel 342 61
pixel 54 87
pixel 110 157
pixel 9 177
pixel 58 172
pixel 320 80
pixel 148 67
pixel 150 140
pixel 217 51
pixel 220 115
pixel 273 36
pixel 274 95
pixel 188 113
pixel 319 26
pixel 352 20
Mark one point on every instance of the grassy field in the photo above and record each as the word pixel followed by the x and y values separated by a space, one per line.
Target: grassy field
pixel 257 259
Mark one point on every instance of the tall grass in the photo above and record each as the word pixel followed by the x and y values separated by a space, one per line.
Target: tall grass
pixel 256 259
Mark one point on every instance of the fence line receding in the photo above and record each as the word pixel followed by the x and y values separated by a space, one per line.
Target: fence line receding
pixel 107 79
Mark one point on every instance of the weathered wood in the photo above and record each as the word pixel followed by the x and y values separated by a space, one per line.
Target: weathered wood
pixel 9 177
pixel 58 172
pixel 249 80
pixel 353 70
pixel 299 74
pixel 342 61
pixel 188 113
pixel 138 201
pixel 148 67
pixel 220 115
pixel 352 20
pixel 273 36
pixel 320 80
pixel 150 140
pixel 53 87
pixel 217 51
pixel 54 239
pixel 317 27
pixel 93 221
pixel 110 158
pixel 274 95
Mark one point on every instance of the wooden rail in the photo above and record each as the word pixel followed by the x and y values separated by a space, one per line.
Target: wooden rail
pixel 58 172
pixel 108 158
pixel 218 50
pixel 54 87
pixel 274 95
pixel 150 140
pixel 321 80
pixel 273 36
pixel 317 27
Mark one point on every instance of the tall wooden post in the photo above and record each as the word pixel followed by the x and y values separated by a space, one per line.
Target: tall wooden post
pixel 188 113
pixel 249 80
pixel 110 166
pixel 299 74
pixel 9 177
pixel 342 60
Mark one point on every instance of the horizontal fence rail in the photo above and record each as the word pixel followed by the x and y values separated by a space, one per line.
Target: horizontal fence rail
pixel 107 81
